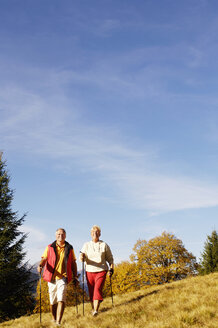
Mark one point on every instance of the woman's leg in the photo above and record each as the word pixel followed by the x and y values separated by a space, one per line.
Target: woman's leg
pixel 91 283
pixel 98 287
pixel 96 305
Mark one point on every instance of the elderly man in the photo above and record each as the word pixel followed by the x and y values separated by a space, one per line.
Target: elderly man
pixel 60 262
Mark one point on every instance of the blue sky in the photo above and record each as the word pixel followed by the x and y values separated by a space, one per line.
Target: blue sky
pixel 109 115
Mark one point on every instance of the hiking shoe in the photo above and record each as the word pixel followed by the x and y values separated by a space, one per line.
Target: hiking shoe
pixel 94 313
pixel 58 324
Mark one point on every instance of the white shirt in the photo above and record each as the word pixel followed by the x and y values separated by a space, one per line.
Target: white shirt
pixel 97 256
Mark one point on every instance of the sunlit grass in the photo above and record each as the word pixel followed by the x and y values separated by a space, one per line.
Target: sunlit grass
pixel 188 303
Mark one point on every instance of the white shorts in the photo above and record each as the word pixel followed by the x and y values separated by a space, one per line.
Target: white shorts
pixel 57 291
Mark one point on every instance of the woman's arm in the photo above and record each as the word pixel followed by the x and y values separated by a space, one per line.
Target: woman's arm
pixel 109 258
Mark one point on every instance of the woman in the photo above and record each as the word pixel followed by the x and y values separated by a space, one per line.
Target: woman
pixel 96 254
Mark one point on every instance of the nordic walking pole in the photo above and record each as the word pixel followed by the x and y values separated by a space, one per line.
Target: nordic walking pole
pixel 40 298
pixel 111 292
pixel 83 285
pixel 76 300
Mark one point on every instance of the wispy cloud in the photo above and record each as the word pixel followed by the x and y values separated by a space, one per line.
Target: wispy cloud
pixel 33 244
pixel 165 193
pixel 32 124
pixel 34 234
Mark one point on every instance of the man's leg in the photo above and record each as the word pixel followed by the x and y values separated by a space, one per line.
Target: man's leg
pixel 60 311
pixel 61 298
pixel 53 299
pixel 53 309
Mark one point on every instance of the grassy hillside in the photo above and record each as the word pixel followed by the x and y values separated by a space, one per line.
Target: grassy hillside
pixel 191 302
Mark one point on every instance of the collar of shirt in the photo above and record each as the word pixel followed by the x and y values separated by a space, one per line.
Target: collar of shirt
pixel 60 246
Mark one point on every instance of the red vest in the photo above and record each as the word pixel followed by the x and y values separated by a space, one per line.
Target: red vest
pixel 51 262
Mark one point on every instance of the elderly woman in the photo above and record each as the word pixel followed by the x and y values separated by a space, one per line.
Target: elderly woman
pixel 97 256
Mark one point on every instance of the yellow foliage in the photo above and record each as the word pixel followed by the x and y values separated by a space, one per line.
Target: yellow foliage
pixel 162 259
pixel 44 297
pixel 73 296
pixel 125 279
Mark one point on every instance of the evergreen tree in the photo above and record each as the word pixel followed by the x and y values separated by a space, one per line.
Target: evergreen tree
pixel 15 288
pixel 209 261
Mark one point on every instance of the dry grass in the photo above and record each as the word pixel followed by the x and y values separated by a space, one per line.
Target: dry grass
pixel 188 303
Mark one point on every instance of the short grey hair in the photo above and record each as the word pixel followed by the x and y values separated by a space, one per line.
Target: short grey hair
pixel 96 227
pixel 62 230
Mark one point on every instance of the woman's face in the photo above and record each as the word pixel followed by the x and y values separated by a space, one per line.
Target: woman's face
pixel 95 233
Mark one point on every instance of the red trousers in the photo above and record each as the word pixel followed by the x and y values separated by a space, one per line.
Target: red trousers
pixel 95 281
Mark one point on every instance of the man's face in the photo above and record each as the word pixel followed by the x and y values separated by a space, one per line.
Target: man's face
pixel 60 236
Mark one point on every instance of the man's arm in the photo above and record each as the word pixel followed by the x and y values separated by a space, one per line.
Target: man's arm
pixel 43 260
pixel 41 265
pixel 74 270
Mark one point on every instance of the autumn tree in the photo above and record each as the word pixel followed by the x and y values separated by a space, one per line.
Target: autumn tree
pixel 15 287
pixel 162 259
pixel 45 305
pixel 124 279
pixel 73 297
pixel 209 260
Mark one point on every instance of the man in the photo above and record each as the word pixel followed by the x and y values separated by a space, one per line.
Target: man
pixel 59 261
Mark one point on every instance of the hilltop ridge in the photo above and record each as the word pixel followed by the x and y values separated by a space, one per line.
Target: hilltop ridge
pixel 191 302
